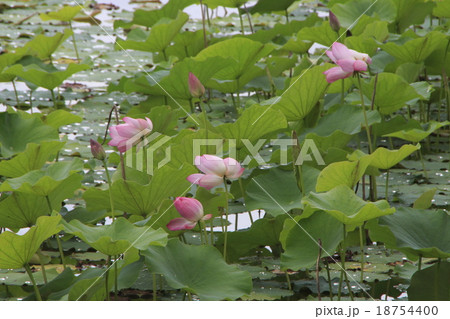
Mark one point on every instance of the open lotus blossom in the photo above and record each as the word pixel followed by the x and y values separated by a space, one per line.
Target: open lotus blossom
pixel 348 61
pixel 215 169
pixel 124 136
pixel 192 212
pixel 196 88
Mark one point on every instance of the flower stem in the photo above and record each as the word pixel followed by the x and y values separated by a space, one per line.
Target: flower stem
pixel 330 287
pixel 58 241
pixel 15 92
pixel 54 99
pixel 108 262
pixel 155 289
pixel 366 123
pixel 361 244
pixel 74 42
pixel 386 189
pixel 205 42
pixel 36 289
pixel 108 178
pixel 41 261
pixel 242 22
pixel 225 240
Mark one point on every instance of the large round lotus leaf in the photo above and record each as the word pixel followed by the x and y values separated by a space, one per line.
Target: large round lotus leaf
pixel 342 173
pixel 16 250
pixel 212 4
pixel 16 132
pixel 300 237
pixel 384 158
pixel 415 232
pixel 276 192
pixel 342 203
pixel 115 239
pixel 431 284
pixel 351 11
pixel 198 269
pixel 57 176
pixel 264 6
pixel 415 135
pixel 66 13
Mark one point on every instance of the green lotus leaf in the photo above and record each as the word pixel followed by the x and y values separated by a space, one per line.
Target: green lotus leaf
pixel 16 131
pixel 392 92
pixel 431 284
pixel 176 83
pixel 342 173
pixel 186 44
pixel 303 94
pixel 242 54
pixel 118 237
pixel 135 198
pixel 43 46
pixel 42 78
pixel 263 232
pixel 198 269
pixel 33 158
pixel 415 232
pixel 322 34
pixel 59 118
pixel 416 50
pixel 412 12
pixel 351 11
pixel 161 35
pixel 343 204
pixel 425 200
pixel 148 18
pixel 265 6
pixel 8 59
pixel 415 135
pixel 212 4
pixel 276 192
pixel 442 9
pixel 300 237
pixel 384 158
pixel 254 123
pixel 56 177
pixel 16 250
pixel 67 13
pixel 409 71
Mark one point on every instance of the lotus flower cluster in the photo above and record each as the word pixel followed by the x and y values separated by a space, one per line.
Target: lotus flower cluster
pixel 192 212
pixel 348 61
pixel 124 136
pixel 215 169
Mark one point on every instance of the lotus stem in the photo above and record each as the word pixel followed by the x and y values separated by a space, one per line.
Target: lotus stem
pixel 155 288
pixel 225 240
pixel 249 19
pixel 386 189
pixel 242 23
pixel 423 164
pixel 288 281
pixel 55 105
pixel 317 270
pixel 108 178
pixel 116 285
pixel 41 261
pixel 36 289
pixel 366 123
pixel 205 42
pixel 330 286
pixel 361 246
pixel 15 92
pixel 58 241
pixel 108 262
pixel 74 41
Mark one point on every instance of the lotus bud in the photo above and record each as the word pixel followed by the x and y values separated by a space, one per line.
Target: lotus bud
pixel 334 22
pixel 195 86
pixel 97 150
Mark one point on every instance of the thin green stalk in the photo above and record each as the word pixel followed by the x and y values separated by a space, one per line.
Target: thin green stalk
pixel 287 15
pixel 74 42
pixel 205 42
pixel 423 164
pixel 249 19
pixel 342 252
pixel 58 241
pixel 236 222
pixel 145 159
pixel 203 228
pixel 419 266
pixel 288 280
pixel 189 295
pixel 55 105
pixel 41 261
pixel 211 232
pixel 342 91
pixel 242 23
pixel 191 105
pixel 15 92
pixel 238 97
pixel 155 289
pixel 234 103
pixel 116 285
pixel 202 239
pixel 108 262
pixel 317 270
pixel 225 240
pixel 366 122
pixel 36 289
pixel 386 189
pixel 108 178
pixel 361 246
pixel 330 286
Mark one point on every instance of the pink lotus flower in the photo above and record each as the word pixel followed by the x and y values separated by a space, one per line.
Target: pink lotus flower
pixel 124 136
pixel 192 212
pixel 195 86
pixel 215 169
pixel 348 61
